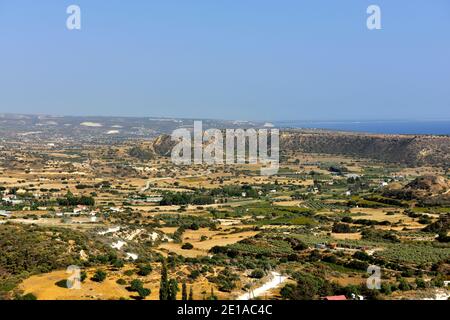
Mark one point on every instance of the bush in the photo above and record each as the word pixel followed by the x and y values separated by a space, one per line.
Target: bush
pixel 358 265
pixel 386 288
pixel 420 283
pixel 361 255
pixel 121 282
pixel 342 228
pixel 404 285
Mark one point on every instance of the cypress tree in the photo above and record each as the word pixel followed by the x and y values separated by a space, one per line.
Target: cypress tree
pixel 164 284
pixel 184 291
pixel 191 294
pixel 173 289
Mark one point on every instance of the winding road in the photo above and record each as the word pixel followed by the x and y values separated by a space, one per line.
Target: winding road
pixel 274 281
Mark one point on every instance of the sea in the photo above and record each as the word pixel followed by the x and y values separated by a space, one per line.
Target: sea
pixel 423 127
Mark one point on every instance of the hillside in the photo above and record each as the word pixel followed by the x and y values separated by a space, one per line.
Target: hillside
pixel 428 189
pixel 403 149
pixel 29 249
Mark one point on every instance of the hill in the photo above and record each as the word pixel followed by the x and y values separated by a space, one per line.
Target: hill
pixel 402 149
pixel 429 190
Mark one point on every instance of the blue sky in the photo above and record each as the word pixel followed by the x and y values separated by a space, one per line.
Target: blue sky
pixel 229 59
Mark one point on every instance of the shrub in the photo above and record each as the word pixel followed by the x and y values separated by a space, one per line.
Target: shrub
pixel 187 246
pixel 194 274
pixel 128 273
pixel 62 283
pixel 404 285
pixel 257 274
pixel 420 283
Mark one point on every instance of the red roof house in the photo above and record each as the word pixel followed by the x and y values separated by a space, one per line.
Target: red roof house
pixel 342 297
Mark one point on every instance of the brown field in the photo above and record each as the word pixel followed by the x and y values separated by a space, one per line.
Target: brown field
pixel 201 248
pixel 44 287
pixel 346 236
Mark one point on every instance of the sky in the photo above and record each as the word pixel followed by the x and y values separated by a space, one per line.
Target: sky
pixel 227 59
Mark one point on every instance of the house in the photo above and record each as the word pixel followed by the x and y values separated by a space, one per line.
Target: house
pixel 79 209
pixel 12 199
pixel 357 297
pixel 352 176
pixel 332 298
pixel 332 245
pixel 154 199
pixel 132 256
pixel 9 197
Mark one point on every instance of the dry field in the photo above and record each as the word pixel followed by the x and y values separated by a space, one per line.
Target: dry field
pixel 201 248
pixel 346 236
pixel 44 286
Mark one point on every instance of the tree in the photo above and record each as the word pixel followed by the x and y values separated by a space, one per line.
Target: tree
pixel 83 276
pixel 257 274
pixel 144 270
pixel 164 284
pixel 212 295
pixel 404 285
pixel 386 288
pixel 99 276
pixel 191 294
pixel 308 288
pixel 187 246
pixel 420 283
pixel 184 291
pixel 143 292
pixel 135 285
pixel 173 289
